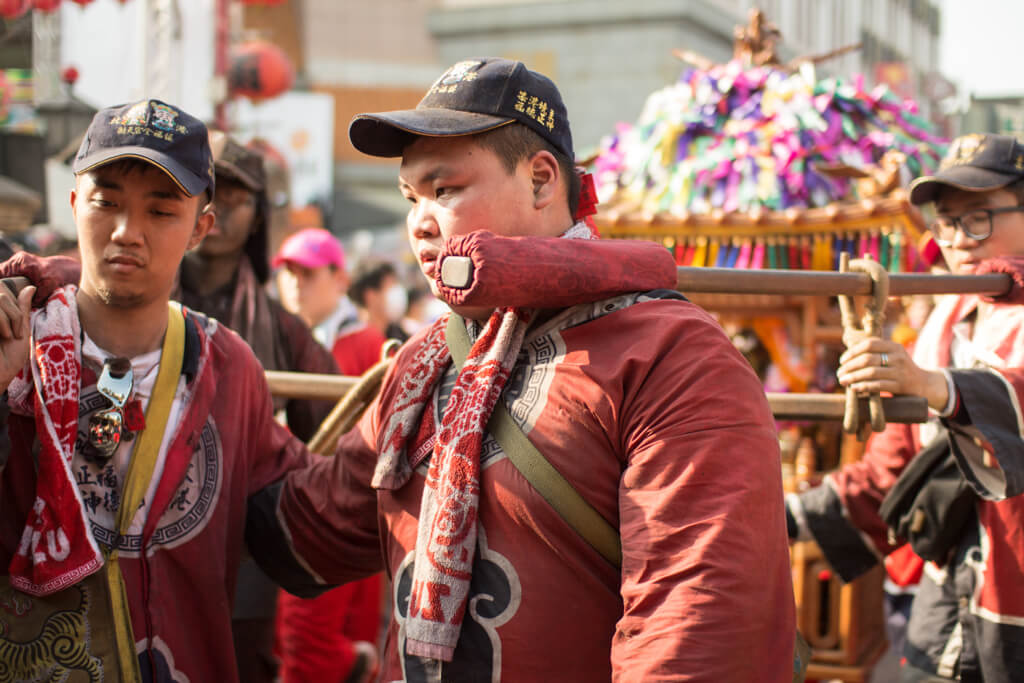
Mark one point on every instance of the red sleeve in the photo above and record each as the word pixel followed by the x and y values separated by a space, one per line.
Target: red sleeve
pixel 273 450
pixel 862 485
pixel 706 585
pixel 330 509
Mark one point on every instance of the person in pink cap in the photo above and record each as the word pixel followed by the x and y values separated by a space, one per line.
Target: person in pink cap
pixel 312 281
pixel 332 636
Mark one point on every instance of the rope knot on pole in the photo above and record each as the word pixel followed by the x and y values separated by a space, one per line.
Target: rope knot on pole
pixel 870 325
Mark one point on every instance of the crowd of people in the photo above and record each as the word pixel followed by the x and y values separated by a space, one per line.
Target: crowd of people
pixel 573 475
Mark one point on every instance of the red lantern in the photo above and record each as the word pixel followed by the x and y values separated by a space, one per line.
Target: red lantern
pixel 259 71
pixel 5 94
pixel 45 5
pixel 69 75
pixel 10 9
pixel 83 3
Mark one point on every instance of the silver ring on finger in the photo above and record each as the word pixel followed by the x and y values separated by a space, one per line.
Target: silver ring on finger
pixel 884 359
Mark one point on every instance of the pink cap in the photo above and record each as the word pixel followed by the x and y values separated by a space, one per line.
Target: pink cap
pixel 311 248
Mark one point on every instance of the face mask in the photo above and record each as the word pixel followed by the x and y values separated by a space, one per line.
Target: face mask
pixel 396 301
pixel 435 309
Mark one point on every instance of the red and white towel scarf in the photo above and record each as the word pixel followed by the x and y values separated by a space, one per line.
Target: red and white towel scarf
pixel 447 532
pixel 57 549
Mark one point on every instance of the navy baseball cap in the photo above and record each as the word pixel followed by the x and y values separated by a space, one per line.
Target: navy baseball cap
pixel 153 131
pixel 232 161
pixel 975 163
pixel 472 96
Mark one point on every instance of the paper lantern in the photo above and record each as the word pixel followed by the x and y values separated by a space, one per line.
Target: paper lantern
pixel 259 71
pixel 70 74
pixel 5 94
pixel 9 9
pixel 45 5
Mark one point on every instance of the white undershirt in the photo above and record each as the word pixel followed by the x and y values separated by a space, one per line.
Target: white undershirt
pixel 100 485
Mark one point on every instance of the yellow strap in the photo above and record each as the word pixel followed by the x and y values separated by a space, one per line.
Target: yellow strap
pixel 536 469
pixel 140 472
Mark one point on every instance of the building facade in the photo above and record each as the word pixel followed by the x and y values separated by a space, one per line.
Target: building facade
pixel 605 55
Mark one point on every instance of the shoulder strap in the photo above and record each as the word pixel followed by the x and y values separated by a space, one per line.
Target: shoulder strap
pixel 140 471
pixel 541 474
pixel 144 456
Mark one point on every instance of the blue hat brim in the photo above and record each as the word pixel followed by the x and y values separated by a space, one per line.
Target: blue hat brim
pixel 188 182
pixel 965 177
pixel 386 134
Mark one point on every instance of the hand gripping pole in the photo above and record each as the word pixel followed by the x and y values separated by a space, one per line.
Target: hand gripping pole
pixel 870 326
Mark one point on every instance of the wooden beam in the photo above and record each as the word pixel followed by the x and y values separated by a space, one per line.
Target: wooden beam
pixel 830 283
pixel 784 406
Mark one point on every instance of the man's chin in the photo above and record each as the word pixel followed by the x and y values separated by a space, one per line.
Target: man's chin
pixel 119 298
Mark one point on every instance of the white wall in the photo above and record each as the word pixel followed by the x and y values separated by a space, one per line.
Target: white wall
pixel 104 42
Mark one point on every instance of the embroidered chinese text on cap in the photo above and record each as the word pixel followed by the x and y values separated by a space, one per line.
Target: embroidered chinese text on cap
pixel 153 131
pixel 472 96
pixel 232 161
pixel 976 163
pixel 311 248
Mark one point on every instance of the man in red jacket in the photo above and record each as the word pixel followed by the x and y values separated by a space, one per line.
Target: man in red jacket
pixel 639 401
pixel 137 431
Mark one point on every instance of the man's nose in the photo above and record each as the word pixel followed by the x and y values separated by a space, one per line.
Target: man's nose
pixel 421 221
pixel 127 229
pixel 962 241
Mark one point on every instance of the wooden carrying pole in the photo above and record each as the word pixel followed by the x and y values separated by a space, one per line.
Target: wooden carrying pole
pixel 829 283
pixel 904 409
pixel 785 406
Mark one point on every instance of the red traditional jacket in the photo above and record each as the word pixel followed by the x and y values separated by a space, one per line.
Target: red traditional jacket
pixel 967 617
pixel 642 403
pixel 226 447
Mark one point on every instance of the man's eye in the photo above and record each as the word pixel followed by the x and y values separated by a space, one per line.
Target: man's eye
pixel 162 214
pixel 100 201
pixel 975 219
pixel 442 191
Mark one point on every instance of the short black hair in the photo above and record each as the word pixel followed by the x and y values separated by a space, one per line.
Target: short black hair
pixel 514 142
pixel 369 276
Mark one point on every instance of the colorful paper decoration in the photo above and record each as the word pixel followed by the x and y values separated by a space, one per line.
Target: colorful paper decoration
pixel 740 139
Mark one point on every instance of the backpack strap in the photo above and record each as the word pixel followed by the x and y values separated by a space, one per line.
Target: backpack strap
pixel 538 471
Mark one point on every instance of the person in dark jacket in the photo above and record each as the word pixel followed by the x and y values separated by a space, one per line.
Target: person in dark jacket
pixel 224 277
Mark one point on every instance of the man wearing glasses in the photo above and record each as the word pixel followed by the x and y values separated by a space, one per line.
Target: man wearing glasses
pixel 967 619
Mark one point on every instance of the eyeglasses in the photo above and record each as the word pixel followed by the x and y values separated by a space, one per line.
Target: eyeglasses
pixel 976 224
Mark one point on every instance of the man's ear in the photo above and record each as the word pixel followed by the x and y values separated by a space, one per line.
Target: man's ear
pixel 545 175
pixel 204 223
